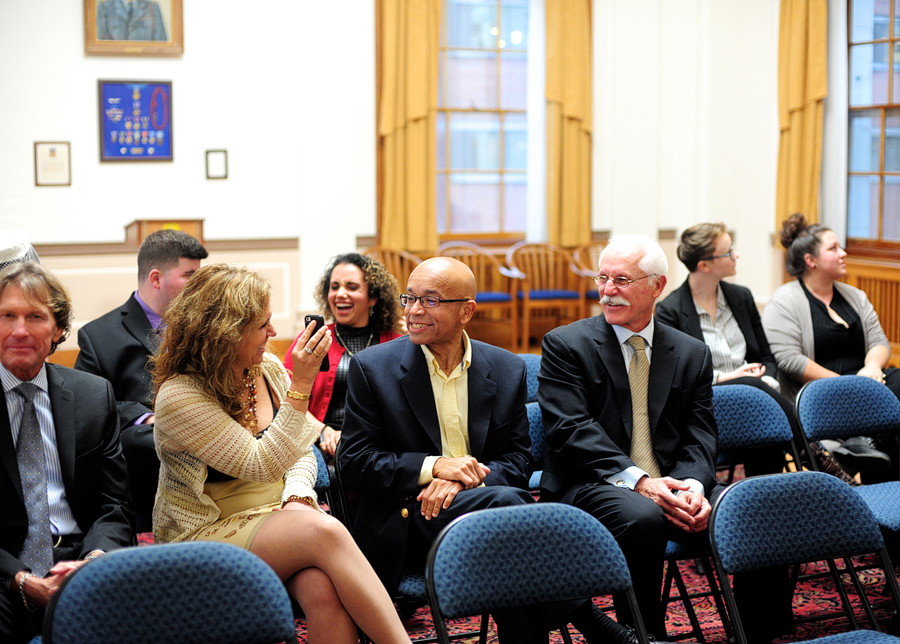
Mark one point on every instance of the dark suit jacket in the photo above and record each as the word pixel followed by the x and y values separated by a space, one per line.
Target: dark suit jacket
pixel 117 346
pixel 586 406
pixel 391 425
pixel 678 311
pixel 93 468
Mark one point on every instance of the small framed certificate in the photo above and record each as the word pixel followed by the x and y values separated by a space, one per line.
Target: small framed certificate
pixel 217 164
pixel 52 163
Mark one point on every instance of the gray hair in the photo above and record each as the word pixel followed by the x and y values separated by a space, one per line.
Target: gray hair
pixel 653 259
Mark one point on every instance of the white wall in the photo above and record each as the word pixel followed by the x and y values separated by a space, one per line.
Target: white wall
pixel 289 92
pixel 686 122
pixel 685 125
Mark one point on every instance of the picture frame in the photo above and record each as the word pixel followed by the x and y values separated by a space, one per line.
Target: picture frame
pixel 52 163
pixel 135 120
pixel 149 28
pixel 217 164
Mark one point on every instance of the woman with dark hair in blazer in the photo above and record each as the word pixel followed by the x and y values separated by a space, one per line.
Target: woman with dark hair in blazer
pixel 725 317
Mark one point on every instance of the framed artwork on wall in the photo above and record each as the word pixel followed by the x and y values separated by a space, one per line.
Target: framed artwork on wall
pixel 133 27
pixel 52 163
pixel 217 164
pixel 135 120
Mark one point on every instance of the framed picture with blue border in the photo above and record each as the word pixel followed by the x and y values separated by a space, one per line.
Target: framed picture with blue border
pixel 135 120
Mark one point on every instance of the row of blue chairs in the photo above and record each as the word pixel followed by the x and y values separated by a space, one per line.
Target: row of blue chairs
pixel 485 561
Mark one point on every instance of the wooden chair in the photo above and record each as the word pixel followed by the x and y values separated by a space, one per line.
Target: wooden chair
pixel 497 286
pixel 587 257
pixel 552 283
pixel 399 263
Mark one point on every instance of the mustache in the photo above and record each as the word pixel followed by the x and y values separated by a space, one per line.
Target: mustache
pixel 615 300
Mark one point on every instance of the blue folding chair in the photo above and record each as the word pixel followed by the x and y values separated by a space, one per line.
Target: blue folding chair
pixel 783 519
pixel 532 369
pixel 522 556
pixel 181 593
pixel 538 442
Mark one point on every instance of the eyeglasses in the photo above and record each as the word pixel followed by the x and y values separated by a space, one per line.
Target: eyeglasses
pixel 620 282
pixel 729 255
pixel 427 301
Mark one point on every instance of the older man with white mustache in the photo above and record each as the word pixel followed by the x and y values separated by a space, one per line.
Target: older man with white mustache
pixel 627 406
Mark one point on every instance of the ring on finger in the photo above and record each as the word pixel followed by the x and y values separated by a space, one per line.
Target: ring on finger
pixel 318 355
pixel 308 350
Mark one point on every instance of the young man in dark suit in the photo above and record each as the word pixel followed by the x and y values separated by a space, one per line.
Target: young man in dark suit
pixel 62 473
pixel 118 345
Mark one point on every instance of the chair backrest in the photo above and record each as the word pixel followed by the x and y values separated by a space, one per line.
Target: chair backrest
pixel 587 256
pixel 183 593
pixel 521 556
pixel 398 263
pixel 532 369
pixel 846 406
pixel 489 272
pixel 323 481
pixel 536 431
pixel 748 417
pixel 790 518
pixel 545 267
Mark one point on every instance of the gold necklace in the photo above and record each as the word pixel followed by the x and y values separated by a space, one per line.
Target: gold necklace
pixel 249 406
pixel 344 344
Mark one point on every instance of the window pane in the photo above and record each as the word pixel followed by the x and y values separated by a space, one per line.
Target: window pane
pixel 868 74
pixel 515 142
pixel 896 18
pixel 442 140
pixel 514 24
pixel 865 141
pixel 474 203
pixel 891 220
pixel 514 202
pixel 862 207
pixel 441 210
pixel 891 141
pixel 895 87
pixel 869 20
pixel 469 23
pixel 513 75
pixel 475 141
pixel 471 80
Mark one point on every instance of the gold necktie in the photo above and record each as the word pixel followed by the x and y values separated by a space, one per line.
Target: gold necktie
pixel 642 453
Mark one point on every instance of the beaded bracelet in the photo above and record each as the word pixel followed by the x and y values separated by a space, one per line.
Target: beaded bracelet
pixel 22 590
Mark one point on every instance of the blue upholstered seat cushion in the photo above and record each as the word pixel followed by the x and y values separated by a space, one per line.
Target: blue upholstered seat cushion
pixel 551 295
pixel 490 297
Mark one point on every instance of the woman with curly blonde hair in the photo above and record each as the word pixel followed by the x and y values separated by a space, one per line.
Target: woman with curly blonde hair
pixel 363 301
pixel 235 452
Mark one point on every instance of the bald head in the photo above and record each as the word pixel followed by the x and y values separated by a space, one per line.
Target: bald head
pixel 451 274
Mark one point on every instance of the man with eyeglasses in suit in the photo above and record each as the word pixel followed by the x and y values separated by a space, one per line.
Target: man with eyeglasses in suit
pixel 436 427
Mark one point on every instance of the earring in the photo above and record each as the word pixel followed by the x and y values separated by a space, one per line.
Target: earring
pixel 371 311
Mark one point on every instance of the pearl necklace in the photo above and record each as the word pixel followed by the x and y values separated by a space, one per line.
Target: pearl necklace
pixel 249 406
pixel 344 344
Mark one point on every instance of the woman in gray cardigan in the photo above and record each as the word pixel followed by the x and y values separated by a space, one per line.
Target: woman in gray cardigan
pixel 819 327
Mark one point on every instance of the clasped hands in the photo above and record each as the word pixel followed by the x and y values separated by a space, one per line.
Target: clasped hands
pixel 451 476
pixel 689 511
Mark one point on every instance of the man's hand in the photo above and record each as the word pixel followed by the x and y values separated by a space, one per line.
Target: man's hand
pixel 688 511
pixel 463 469
pixel 39 590
pixel 437 496
pixel 330 438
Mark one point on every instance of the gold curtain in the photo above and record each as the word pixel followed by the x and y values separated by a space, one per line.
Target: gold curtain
pixel 409 65
pixel 569 121
pixel 802 87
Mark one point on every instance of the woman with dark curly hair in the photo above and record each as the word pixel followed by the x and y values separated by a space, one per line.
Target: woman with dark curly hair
pixel 820 327
pixel 363 301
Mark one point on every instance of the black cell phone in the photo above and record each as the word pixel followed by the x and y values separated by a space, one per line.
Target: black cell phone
pixel 320 322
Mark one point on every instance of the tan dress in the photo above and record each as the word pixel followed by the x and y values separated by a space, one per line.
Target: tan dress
pixel 193 432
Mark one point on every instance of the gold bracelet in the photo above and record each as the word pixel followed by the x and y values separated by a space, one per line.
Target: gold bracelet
pixel 295 497
pixel 296 395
